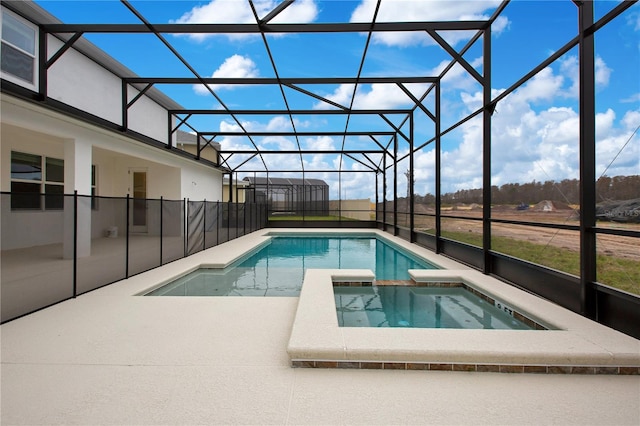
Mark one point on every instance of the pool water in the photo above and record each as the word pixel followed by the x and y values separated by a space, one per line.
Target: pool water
pixel 278 268
pixel 419 307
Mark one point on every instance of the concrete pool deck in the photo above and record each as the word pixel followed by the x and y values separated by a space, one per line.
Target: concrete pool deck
pixel 574 344
pixel 109 357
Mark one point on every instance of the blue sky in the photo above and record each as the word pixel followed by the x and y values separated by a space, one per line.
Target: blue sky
pixel 535 133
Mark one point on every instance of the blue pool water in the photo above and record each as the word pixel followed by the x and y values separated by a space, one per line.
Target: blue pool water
pixel 278 268
pixel 419 307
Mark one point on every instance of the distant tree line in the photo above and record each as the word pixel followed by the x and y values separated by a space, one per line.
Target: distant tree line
pixel 566 190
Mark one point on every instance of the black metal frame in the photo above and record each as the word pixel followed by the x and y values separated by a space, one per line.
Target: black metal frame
pixel 591 298
pixel 258 220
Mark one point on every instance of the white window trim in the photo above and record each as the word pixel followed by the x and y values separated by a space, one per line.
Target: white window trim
pixel 42 181
pixel 9 77
pixel 95 200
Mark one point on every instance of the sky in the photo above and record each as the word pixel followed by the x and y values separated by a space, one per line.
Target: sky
pixel 534 129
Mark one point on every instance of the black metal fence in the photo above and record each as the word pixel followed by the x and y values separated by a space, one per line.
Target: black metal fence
pixel 54 251
pixel 617 296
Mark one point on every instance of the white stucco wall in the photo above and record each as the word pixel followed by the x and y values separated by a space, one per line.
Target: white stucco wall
pixel 147 117
pixel 114 178
pixel 29 128
pixel 76 80
pixel 44 227
pixel 15 138
pixel 198 184
pixel 169 175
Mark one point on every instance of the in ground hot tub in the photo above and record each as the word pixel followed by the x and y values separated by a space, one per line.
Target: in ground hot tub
pixel 566 343
pixel 425 305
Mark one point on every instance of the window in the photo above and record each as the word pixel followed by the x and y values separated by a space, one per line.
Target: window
pixel 18 51
pixel 54 184
pixel 33 175
pixel 94 188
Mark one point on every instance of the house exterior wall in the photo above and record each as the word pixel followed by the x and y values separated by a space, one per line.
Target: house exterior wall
pixel 239 196
pixel 28 127
pixel 84 84
pixel 147 117
pixel 354 209
pixel 32 129
pixel 207 153
pixel 80 82
pixel 43 226
pixel 196 185
pixel 77 81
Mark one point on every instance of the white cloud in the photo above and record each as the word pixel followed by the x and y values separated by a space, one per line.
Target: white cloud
pixel 374 96
pixel 570 68
pixel 457 78
pixel 537 145
pixel 269 143
pixel 473 102
pixel 320 143
pixel 531 143
pixel 279 124
pixel 535 136
pixel 633 19
pixel 316 162
pixel 631 120
pixel 235 66
pixel 383 96
pixel 300 12
pixel 605 123
pixel 278 143
pixel 341 95
pixel 618 150
pixel 631 98
pixel 426 10
pixel 603 72
pixel 232 12
pixel 543 86
pixel 559 125
pixel 501 24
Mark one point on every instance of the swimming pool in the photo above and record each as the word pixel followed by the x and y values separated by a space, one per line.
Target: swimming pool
pixel 420 307
pixel 278 268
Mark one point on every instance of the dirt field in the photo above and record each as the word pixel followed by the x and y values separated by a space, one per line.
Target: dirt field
pixel 607 244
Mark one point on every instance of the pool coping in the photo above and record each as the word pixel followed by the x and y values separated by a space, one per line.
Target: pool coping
pixel 316 340
pixel 246 245
pixel 572 345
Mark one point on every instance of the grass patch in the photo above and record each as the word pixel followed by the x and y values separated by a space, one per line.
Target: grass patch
pixel 617 272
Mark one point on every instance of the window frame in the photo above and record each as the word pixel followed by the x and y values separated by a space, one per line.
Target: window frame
pixel 43 195
pixel 95 200
pixel 7 75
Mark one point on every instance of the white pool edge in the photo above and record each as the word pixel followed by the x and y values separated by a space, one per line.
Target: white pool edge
pixel 316 336
pixel 317 340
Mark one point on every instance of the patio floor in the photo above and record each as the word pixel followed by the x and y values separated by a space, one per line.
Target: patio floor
pixel 108 357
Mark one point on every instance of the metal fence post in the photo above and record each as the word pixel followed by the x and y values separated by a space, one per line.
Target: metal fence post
pixel 161 228
pixel 486 154
pixel 75 243
pixel 588 178
pixel 126 267
pixel 237 223
pixel 186 227
pixel 217 222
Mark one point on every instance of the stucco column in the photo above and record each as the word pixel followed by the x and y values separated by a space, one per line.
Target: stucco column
pixel 77 176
